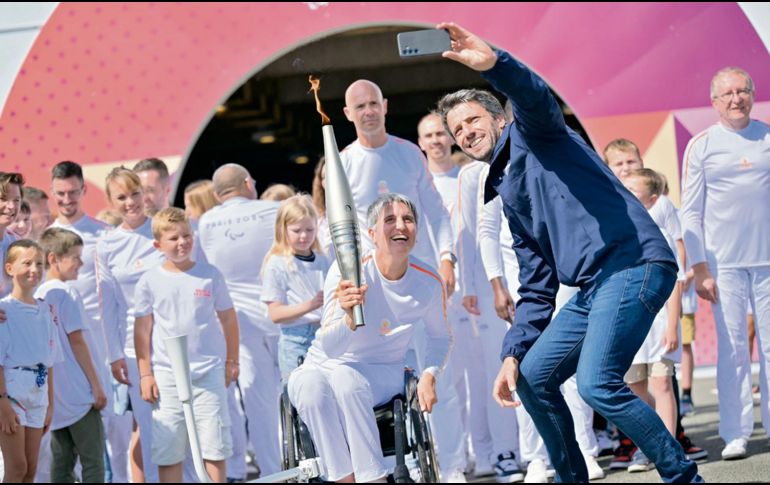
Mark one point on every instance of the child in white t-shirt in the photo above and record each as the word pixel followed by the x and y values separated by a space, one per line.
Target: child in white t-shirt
pixel 77 430
pixel 29 348
pixel 662 348
pixel 183 297
pixel 293 278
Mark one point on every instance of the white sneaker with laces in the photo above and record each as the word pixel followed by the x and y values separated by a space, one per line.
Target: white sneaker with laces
pixel 507 469
pixel 454 476
pixel 735 449
pixel 536 472
pixel 595 471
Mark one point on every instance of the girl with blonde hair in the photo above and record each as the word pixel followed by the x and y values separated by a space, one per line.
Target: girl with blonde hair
pixel 199 198
pixel 293 278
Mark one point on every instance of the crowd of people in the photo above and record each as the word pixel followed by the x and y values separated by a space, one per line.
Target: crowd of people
pixel 576 264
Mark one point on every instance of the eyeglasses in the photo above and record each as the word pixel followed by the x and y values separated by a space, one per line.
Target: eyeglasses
pixel 728 96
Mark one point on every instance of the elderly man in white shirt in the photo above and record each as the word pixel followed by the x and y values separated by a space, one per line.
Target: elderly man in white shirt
pixel 725 214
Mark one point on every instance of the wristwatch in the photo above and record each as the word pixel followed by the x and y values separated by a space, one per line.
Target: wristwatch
pixel 448 256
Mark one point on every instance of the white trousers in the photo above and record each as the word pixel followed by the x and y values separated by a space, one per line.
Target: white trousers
pixel 236 464
pixel 502 422
pixel 260 384
pixel 142 412
pixel 446 419
pixel 735 288
pixel 582 417
pixel 336 401
pixel 117 430
pixel 470 385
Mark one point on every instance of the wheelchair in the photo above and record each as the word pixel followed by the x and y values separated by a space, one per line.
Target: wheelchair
pixel 404 432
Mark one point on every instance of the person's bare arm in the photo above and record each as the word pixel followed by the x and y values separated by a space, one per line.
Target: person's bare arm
pixel 229 321
pixel 9 421
pixel 282 313
pixel 83 357
pixel 142 339
pixel 503 302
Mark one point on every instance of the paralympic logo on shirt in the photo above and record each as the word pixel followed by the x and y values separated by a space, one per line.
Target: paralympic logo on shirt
pixel 233 235
pixel 202 294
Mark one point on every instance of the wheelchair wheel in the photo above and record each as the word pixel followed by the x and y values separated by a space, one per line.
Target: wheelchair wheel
pixel 421 436
pixel 289 450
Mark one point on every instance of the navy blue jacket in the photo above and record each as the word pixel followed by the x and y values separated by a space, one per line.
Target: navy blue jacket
pixel 572 221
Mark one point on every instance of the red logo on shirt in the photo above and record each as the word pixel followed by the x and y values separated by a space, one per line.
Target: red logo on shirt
pixel 745 164
pixel 202 294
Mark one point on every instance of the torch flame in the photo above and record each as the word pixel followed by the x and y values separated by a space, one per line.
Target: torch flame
pixel 315 86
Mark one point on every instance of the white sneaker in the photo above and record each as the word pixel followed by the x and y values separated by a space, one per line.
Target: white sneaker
pixel 454 476
pixel 483 469
pixel 536 472
pixel 606 444
pixel 507 469
pixel 595 472
pixel 735 450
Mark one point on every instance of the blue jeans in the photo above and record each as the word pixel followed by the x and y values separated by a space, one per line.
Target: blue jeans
pixel 610 325
pixel 293 344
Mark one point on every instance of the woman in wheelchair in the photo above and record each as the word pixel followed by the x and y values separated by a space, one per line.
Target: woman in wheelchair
pixel 349 370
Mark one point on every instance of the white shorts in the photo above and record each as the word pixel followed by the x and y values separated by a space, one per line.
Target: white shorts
pixel 639 372
pixel 212 419
pixel 29 401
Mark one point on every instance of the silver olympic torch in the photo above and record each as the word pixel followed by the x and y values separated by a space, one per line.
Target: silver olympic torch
pixel 180 366
pixel 343 218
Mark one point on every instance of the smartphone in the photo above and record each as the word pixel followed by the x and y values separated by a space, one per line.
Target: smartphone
pixel 423 42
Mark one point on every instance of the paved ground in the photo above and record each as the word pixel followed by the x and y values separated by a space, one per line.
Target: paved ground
pixel 703 430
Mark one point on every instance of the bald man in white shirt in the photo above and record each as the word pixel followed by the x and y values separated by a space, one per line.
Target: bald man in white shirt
pixel 378 163
pixel 235 237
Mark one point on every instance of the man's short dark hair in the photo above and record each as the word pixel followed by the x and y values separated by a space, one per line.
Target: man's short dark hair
pixel 484 98
pixel 152 164
pixel 67 169
pixel 33 194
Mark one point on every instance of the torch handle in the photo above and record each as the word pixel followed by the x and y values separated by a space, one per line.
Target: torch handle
pixel 358 316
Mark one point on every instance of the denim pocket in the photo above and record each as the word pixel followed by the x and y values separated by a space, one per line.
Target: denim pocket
pixel 656 287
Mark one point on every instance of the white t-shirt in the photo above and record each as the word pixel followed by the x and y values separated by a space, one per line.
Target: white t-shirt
pixel 122 257
pixel 496 244
pixel 90 230
pixel 185 303
pixel 294 281
pixel 470 180
pixel 398 166
pixel 391 311
pixel 5 282
pixel 73 397
pixel 197 253
pixel 447 186
pixel 652 349
pixel 236 236
pixel 726 196
pixel 666 216
pixel 325 238
pixel 29 336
